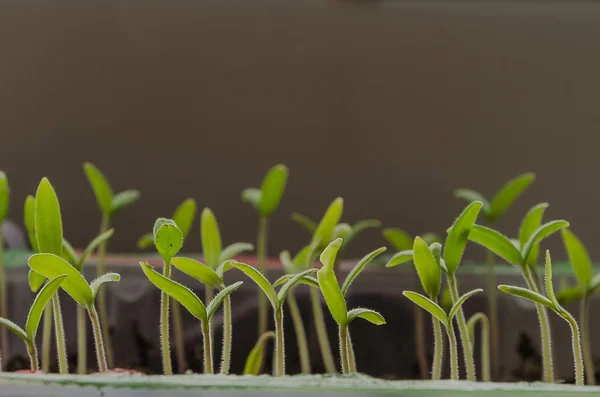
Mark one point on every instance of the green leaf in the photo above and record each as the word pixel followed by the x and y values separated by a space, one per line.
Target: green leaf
pixel 531 222
pixel 252 196
pixel 93 245
pixel 305 222
pixel 307 280
pixel 35 280
pixel 526 294
pixel 69 254
pixel 211 238
pixel 220 297
pixel 366 314
pixel 456 241
pixel 272 189
pixel 105 278
pixel 167 238
pixel 541 233
pixel 102 190
pixel 496 242
pixel 39 304
pixel 184 216
pixel 571 294
pixel 198 270
pixel 233 250
pixel 472 196
pixel 14 328
pixel 329 254
pixel 51 266
pixel 48 223
pixel 176 291
pixel 436 250
pixel 508 194
pixel 30 221
pixel 359 267
pixel 291 283
pixel 260 280
pixel 549 283
pixel 359 227
pixel 329 284
pixel 255 358
pixel 457 305
pixel 594 284
pixel 123 199
pixel 578 257
pixel 4 196
pixel 446 300
pixel 304 258
pixel 400 258
pixel 324 232
pixel 342 230
pixel 398 238
pixel 427 304
pixel 431 238
pixel 145 241
pixel 428 269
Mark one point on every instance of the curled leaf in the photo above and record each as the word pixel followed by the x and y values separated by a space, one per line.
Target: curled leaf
pixel 260 280
pixel 366 314
pixel 167 238
pixel 526 294
pixel 457 305
pixel 400 258
pixel 255 358
pixel 220 297
pixel 359 267
pixel 39 304
pixel 105 278
pixel 428 305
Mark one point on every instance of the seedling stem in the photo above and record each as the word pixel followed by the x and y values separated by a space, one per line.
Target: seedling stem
pixel 164 324
pixel 100 270
pixel 97 331
pixel 81 341
pixel 438 348
pixel 300 333
pixel 585 340
pixel 463 331
pixel 208 355
pixel 263 230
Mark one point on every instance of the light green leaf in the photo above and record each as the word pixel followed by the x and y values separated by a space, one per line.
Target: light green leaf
pixel 287 262
pixel 359 267
pixel 471 196
pixel 30 221
pixel 305 222
pixel 260 280
pixel 4 196
pixel 333 295
pixel 446 300
pixel 398 238
pixel 252 196
pixel 531 222
pixel 578 257
pixel 329 254
pixel 570 294
pixel 48 223
pixel 211 238
pixel 69 254
pixel 436 250
pixel 123 199
pixel 255 358
pixel 105 278
pixel 184 216
pixel 51 266
pixel 508 194
pixel 431 238
pixel 167 238
pixel 594 284
pixel 324 232
pixel 456 241
pixel 176 291
pixel 272 189
pixel 304 258
pixel 233 250
pixel 427 304
pixel 366 314
pixel 526 294
pixel 342 230
pixel 541 233
pixel 145 241
pixel 93 245
pixel 359 227
pixel 102 190
pixel 427 268
pixel 549 283
pixel 39 304
pixel 400 258
pixel 198 270
pixel 307 280
pixel 291 283
pixel 220 297
pixel 14 328
pixel 35 280
pixel 496 242
pixel 457 305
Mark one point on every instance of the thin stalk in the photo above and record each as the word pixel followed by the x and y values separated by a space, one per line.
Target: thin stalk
pixel 493 313
pixel 178 336
pixel 81 341
pixel 46 338
pixel 576 342
pixel 463 331
pixel 343 334
pixel 101 299
pixel 420 341
pixel 322 331
pixel 351 358
pixel 486 375
pixel 208 353
pixel 209 293
pixel 300 333
pixel 227 336
pixel 164 325
pixel 33 356
pixel 548 369
pixel 453 351
pixel 590 371
pixel 61 348
pixel 438 350
pixel 99 342
pixel 279 344
pixel 263 228
pixel 4 347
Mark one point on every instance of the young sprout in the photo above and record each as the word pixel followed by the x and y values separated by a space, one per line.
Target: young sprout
pixel 552 303
pixel 276 299
pixel 33 319
pixel 520 254
pixel 587 284
pixel 4 196
pixel 109 204
pixel 190 301
pixel 254 362
pixel 486 373
pixel 334 298
pixel 265 201
pixel 493 210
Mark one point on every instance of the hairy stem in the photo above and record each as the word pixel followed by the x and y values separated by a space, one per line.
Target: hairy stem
pixel 319 320
pixel 46 338
pixel 493 313
pixel 590 371
pixel 463 331
pixel 4 346
pixel 279 344
pixel 81 341
pixel 61 349
pixel 227 336
pixel 419 316
pixel 164 325
pixel 548 369
pixel 178 336
pixel 209 293
pixel 300 333
pixel 101 298
pixel 438 350
pixel 98 340
pixel 452 346
pixel 576 342
pixel 343 335
pixel 486 375
pixel 351 358
pixel 208 353
pixel 33 356
pixel 263 226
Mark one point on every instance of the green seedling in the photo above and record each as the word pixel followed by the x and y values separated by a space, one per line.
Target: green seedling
pixel 486 372
pixel 552 303
pixel 401 240
pixel 4 197
pixel 492 211
pixel 587 285
pixel 276 299
pixel 265 201
pixel 335 299
pixel 519 254
pixel 109 204
pixel 254 362
pixel 33 319
pixel 192 303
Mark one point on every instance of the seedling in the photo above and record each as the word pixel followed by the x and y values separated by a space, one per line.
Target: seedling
pixel 4 197
pixel 265 201
pixel 486 373
pixel 109 204
pixel 190 301
pixel 492 211
pixel 552 303
pixel 254 362
pixel 519 254
pixel 334 298
pixel 587 284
